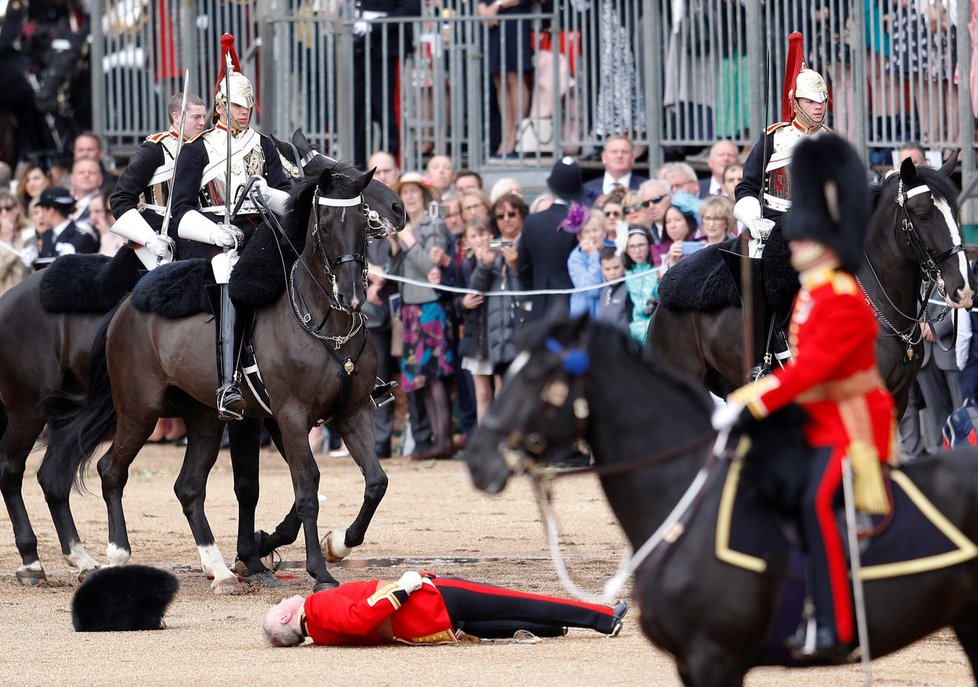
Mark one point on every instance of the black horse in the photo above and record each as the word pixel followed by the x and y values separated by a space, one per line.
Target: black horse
pixel 316 361
pixel 44 371
pixel 913 236
pixel 649 429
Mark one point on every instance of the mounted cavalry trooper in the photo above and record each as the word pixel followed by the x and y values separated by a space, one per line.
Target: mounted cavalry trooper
pixel 140 198
pixel 764 195
pixel 832 375
pixel 208 183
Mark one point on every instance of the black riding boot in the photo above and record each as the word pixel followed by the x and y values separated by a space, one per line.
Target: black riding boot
pixel 230 402
pixel 760 318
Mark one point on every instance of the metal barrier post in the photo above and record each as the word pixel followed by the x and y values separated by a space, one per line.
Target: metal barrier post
pixel 344 88
pixel 759 65
pixel 652 63
pixel 966 135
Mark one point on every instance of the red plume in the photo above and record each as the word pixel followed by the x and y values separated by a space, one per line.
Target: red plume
pixel 227 47
pixel 792 66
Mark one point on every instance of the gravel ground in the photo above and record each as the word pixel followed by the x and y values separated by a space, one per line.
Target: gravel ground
pixel 431 519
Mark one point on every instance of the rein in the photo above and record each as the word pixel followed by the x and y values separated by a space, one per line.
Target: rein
pixel 927 262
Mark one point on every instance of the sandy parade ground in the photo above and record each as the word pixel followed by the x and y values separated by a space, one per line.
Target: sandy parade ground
pixel 431 519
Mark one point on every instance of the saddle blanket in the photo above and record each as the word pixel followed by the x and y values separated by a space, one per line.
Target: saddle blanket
pixel 917 539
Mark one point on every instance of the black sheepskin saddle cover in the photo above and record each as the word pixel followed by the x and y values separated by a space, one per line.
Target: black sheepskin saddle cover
pixel 123 598
pixel 180 289
pixel 89 283
pixel 702 282
pixel 176 290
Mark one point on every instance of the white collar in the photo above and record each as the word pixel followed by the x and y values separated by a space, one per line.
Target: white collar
pixel 609 181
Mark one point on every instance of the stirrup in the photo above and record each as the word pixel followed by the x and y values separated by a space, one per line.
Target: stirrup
pixel 382 393
pixel 230 403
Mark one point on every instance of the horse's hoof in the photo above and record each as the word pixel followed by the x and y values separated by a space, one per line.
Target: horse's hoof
pixel 322 586
pixel 264 579
pixel 263 542
pixel 333 551
pixel 83 573
pixel 227 585
pixel 31 577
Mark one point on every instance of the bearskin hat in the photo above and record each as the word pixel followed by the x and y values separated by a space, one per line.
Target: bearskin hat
pixel 123 598
pixel 830 201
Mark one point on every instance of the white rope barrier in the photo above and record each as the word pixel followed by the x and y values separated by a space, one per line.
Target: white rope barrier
pixel 538 292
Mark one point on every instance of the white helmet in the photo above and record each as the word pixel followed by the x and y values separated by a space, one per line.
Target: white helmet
pixel 810 84
pixel 241 91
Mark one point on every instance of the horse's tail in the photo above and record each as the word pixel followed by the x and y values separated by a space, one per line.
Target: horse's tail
pixel 75 438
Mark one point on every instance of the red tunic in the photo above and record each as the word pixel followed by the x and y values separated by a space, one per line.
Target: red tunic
pixel 833 343
pixel 368 614
pixel 833 376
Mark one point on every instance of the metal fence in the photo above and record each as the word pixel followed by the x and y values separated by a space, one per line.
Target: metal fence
pixel 673 74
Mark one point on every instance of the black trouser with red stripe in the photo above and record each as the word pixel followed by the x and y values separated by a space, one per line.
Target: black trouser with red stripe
pixel 488 611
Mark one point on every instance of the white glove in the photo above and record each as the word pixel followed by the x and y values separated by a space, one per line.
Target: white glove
pixel 361 27
pixel 410 581
pixel 726 416
pixel 227 236
pixel 260 185
pixel 29 255
pixel 760 228
pixel 159 247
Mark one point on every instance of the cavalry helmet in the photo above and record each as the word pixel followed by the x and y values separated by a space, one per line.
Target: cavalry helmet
pixel 810 84
pixel 241 91
pixel 830 198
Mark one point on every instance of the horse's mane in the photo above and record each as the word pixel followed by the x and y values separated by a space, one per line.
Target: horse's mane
pixel 613 342
pixel 608 342
pixel 296 219
pixel 940 185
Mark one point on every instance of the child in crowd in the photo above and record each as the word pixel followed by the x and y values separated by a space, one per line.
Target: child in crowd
pixel 643 290
pixel 614 302
pixel 584 262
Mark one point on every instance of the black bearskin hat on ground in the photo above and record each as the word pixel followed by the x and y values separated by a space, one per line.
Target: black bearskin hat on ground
pixel 129 597
pixel 830 201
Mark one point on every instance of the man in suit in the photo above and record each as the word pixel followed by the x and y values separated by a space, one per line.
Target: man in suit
pixel 543 248
pixel 937 390
pixel 722 153
pixel 618 158
pixel 64 237
pixel 86 183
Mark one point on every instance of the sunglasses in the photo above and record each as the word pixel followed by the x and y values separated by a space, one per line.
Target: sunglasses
pixel 509 214
pixel 6 208
pixel 644 204
pixel 613 213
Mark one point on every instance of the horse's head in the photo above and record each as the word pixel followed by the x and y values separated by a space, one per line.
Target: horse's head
pixel 924 201
pixel 541 411
pixel 337 234
pixel 387 215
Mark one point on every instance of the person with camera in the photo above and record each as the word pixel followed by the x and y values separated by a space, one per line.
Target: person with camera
pixel 487 346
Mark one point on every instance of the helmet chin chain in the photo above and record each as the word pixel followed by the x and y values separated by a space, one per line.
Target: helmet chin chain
pixel 809 123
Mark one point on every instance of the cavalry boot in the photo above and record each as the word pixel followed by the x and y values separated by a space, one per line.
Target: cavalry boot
pixel 230 402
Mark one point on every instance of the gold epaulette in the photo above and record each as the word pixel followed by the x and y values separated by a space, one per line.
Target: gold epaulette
pixel 774 127
pixel 205 131
pixel 844 283
pixel 386 592
pixel 157 137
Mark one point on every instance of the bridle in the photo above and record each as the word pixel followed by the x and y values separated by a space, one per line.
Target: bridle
pixel 928 262
pixel 522 451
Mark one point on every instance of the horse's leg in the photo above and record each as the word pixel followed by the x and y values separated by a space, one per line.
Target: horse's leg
pixel 287 531
pixel 357 433
pixel 711 665
pixel 966 628
pixel 204 432
pixel 131 434
pixel 15 445
pixel 245 438
pixel 305 483
pixel 64 524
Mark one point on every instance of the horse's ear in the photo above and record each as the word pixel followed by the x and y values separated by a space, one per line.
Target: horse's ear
pixel 366 178
pixel 908 172
pixel 299 140
pixel 952 161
